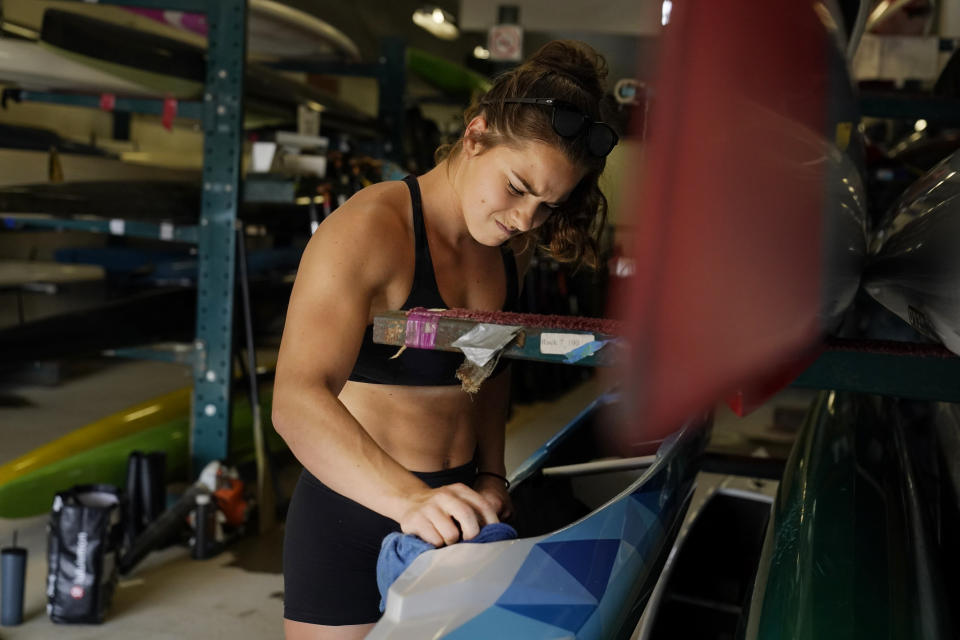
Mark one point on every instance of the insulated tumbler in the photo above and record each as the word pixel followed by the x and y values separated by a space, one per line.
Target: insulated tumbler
pixel 13 571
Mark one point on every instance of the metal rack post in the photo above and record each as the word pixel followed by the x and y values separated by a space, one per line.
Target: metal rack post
pixel 222 127
pixel 390 72
pixel 393 86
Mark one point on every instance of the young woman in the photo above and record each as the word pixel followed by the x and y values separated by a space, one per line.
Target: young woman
pixel 390 444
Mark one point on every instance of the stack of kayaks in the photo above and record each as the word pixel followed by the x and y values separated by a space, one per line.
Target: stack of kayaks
pixel 176 202
pixel 152 52
pixel 163 65
pixel 275 31
pixel 81 53
pixel 171 67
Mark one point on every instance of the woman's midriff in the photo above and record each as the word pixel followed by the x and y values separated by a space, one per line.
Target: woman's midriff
pixel 422 428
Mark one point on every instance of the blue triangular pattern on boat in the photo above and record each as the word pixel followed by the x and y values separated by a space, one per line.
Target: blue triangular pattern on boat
pixel 570 617
pixel 639 521
pixel 589 561
pixel 650 499
pixel 652 488
pixel 602 525
pixel 626 554
pixel 613 608
pixel 542 580
pixel 593 627
pixel 497 622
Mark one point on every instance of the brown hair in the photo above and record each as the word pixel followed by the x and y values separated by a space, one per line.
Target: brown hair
pixel 572 72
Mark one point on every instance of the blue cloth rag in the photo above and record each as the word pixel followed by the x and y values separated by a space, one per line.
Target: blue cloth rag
pixel 398 550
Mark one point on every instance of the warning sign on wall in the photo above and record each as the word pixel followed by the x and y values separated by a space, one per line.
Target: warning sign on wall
pixel 505 42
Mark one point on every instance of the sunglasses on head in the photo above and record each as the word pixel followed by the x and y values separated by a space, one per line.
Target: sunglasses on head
pixel 568 122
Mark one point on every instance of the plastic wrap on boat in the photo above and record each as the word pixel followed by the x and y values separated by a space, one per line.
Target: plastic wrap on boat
pixel 915 265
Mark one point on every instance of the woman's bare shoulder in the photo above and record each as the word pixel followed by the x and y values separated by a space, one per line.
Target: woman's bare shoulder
pixel 381 209
pixel 372 229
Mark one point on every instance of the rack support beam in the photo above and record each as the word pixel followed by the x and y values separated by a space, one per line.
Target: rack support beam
pixel 222 147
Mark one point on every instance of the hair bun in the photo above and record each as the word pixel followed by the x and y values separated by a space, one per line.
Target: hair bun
pixel 579 61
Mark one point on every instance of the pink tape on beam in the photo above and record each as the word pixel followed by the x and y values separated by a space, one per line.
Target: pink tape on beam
pixel 421 330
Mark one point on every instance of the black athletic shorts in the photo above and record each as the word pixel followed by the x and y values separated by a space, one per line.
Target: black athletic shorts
pixel 330 551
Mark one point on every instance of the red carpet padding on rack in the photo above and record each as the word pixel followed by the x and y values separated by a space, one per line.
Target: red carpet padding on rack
pixel 886 347
pixel 537 321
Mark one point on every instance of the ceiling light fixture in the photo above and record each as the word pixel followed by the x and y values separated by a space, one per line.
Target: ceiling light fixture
pixel 665 9
pixel 437 21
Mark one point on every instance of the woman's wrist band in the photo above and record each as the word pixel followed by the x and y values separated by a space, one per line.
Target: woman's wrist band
pixel 506 483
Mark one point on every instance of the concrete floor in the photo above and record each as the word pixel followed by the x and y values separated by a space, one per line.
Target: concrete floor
pixel 239 593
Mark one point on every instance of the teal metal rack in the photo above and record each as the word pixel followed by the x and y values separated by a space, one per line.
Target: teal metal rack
pixel 149 106
pixel 919 372
pixel 390 72
pixel 222 114
pixel 222 151
pixel 118 226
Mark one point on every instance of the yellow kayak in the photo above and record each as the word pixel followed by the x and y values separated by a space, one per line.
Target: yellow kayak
pixel 132 420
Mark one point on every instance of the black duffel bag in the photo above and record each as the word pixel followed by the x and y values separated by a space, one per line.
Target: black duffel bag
pixel 84 539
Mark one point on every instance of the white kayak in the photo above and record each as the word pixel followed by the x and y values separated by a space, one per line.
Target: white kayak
pixel 33 66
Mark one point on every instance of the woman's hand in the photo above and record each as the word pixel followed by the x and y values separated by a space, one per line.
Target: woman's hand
pixel 492 488
pixel 439 516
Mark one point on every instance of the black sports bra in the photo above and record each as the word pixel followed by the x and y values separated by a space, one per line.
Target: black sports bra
pixel 420 367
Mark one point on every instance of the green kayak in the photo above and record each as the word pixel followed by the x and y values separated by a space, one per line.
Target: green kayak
pixel 32 493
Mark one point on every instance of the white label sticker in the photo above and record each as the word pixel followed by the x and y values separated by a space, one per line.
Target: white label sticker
pixel 563 343
pixel 166 231
pixel 116 227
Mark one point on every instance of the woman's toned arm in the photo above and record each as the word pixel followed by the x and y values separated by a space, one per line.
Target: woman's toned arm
pixel 492 403
pixel 347 265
